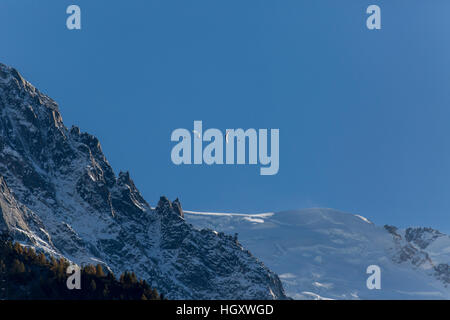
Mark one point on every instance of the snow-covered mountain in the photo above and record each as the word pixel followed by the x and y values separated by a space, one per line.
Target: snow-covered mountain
pixel 324 253
pixel 58 193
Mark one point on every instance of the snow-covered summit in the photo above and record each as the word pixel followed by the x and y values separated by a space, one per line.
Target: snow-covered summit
pixel 324 253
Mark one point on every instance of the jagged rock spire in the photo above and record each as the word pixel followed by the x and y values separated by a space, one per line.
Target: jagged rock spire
pixel 177 207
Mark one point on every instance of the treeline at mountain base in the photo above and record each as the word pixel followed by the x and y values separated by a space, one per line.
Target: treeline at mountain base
pixel 27 275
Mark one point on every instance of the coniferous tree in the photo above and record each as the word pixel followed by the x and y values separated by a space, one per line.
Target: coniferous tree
pixel 30 275
pixel 99 271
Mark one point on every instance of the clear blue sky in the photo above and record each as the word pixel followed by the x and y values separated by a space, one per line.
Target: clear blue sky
pixel 364 116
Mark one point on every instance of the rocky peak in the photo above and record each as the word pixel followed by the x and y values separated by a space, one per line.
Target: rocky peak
pixel 8 74
pixel 14 84
pixel 59 194
pixel 393 230
pixel 177 207
pixel 442 272
pixel 165 206
pixel 422 237
pixel 409 248
pixel 124 178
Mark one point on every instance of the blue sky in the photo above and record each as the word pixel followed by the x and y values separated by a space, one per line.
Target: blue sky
pixel 363 115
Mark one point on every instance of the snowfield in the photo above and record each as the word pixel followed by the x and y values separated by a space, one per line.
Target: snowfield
pixel 324 253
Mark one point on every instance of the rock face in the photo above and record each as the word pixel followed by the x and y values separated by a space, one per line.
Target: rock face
pixel 426 247
pixel 58 193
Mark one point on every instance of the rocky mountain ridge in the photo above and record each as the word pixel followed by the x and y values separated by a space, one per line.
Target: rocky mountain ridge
pixel 59 194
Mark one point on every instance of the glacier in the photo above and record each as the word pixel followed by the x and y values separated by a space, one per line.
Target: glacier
pixel 324 253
